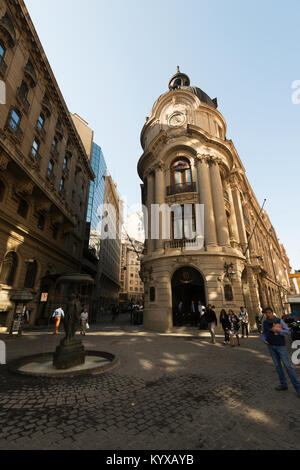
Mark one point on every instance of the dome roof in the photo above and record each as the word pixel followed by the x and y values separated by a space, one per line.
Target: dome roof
pixel 180 81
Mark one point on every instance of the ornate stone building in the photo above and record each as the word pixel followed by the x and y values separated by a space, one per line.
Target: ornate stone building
pixel 44 170
pixel 187 159
pixel 132 288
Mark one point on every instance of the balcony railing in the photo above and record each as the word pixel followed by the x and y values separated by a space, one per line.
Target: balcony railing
pixel 3 67
pixel 59 130
pixel 13 127
pixel 34 155
pixel 51 176
pixel 182 243
pixel 47 105
pixel 23 100
pixel 181 188
pixel 54 152
pixel 41 130
pixel 30 74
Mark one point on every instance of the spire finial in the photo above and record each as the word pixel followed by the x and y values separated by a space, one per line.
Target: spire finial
pixel 178 69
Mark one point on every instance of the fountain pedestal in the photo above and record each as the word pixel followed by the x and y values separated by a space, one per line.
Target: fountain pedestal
pixel 69 353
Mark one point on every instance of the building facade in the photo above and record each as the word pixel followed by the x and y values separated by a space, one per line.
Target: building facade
pixel 44 170
pixel 188 160
pixel 132 287
pixel 108 278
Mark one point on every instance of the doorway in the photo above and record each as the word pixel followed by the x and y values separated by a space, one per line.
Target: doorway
pixel 187 285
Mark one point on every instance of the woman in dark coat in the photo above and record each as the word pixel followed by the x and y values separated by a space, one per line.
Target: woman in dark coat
pixel 224 320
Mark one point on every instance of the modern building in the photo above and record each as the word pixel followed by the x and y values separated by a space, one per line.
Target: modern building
pixel 96 199
pixel 108 279
pixel 44 171
pixel 132 287
pixel 188 160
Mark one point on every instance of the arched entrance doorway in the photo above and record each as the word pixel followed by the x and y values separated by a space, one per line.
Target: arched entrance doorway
pixel 187 285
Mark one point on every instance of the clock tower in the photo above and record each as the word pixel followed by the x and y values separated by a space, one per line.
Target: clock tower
pixel 188 162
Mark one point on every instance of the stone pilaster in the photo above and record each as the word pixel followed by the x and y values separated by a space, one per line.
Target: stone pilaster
pixel 159 199
pixel 218 203
pixel 204 187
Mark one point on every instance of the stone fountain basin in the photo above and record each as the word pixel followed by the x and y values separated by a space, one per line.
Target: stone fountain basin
pixel 41 365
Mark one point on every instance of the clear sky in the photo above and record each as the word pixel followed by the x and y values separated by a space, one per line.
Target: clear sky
pixel 112 59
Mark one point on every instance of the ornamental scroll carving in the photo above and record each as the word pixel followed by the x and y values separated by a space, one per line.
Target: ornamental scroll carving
pixel 4 160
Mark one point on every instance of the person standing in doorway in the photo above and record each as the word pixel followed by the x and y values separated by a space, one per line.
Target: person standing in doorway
pixel 84 318
pixel 244 318
pixel 211 318
pixel 274 332
pixel 57 315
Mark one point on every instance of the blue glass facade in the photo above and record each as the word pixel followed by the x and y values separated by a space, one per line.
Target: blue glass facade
pixel 96 195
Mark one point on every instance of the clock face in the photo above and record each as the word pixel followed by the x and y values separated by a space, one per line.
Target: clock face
pixel 176 120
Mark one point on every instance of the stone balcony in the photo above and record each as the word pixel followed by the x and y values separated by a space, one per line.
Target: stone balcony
pixel 181 188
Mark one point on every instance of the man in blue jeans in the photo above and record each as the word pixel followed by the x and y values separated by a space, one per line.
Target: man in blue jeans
pixel 274 331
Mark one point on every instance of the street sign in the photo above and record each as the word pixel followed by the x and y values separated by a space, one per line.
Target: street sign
pixel 44 297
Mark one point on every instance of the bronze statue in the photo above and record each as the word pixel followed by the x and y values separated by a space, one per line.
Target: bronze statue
pixel 72 317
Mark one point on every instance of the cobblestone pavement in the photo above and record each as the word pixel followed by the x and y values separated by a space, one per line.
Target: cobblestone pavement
pixel 168 393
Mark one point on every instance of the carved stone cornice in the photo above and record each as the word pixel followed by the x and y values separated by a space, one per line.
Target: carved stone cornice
pixel 25 188
pixel 57 219
pixel 43 206
pixel 4 160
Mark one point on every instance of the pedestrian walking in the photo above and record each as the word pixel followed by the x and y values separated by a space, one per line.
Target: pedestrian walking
pixel 244 318
pixel 224 320
pixel 84 318
pixel 57 315
pixel 274 332
pixel 234 328
pixel 211 318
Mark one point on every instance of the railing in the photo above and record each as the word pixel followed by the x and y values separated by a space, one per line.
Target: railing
pixel 23 100
pixel 3 66
pixel 41 129
pixel 182 243
pixel 15 128
pixel 59 129
pixel 46 103
pixel 54 152
pixel 181 188
pixel 34 154
pixel 29 70
pixel 51 176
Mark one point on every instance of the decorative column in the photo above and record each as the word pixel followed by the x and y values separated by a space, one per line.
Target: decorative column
pixel 218 202
pixel 150 201
pixel 159 199
pixel 232 218
pixel 204 188
pixel 239 215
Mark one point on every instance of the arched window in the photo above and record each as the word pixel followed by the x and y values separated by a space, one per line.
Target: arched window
pixel 9 268
pixel 2 51
pixel 181 173
pixel 24 90
pixel 41 222
pixel 41 121
pixel 2 190
pixel 23 208
pixel 31 273
pixel 14 120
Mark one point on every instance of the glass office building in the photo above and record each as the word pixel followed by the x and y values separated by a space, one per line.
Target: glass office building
pixel 96 198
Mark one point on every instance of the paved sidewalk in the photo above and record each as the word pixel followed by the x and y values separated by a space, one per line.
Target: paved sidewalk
pixel 169 392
